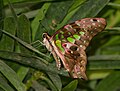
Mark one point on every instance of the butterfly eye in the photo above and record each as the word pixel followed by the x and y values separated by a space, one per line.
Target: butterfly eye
pixel 73 48
pixel 44 35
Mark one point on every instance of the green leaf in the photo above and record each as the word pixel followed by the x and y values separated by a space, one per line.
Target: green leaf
pixel 38 87
pixel 22 72
pixel 11 76
pixel 4 85
pixel 89 9
pixel 56 80
pixel 72 10
pixel 27 2
pixel 51 85
pixel 1 16
pixel 110 83
pixel 98 74
pixel 76 4
pixel 30 61
pixel 24 32
pixel 26 45
pixel 71 86
pixel 104 62
pixel 6 42
pixel 54 15
pixel 41 14
pixel 13 11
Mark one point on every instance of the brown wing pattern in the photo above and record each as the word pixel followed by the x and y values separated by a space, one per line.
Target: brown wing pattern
pixel 69 44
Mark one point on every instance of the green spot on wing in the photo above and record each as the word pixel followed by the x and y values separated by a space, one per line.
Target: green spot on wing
pixel 76 36
pixel 81 33
pixel 59 45
pixel 69 33
pixel 56 37
pixel 62 36
pixel 71 39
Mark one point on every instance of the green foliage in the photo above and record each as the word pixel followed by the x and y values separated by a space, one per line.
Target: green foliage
pixel 71 86
pixel 25 64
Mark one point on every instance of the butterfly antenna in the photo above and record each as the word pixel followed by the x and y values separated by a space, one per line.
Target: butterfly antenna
pixel 37 43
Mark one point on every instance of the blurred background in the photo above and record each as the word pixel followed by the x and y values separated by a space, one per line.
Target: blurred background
pixel 26 64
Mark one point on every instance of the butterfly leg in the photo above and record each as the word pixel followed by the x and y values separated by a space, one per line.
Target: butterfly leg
pixel 37 43
pixel 58 63
pixel 57 59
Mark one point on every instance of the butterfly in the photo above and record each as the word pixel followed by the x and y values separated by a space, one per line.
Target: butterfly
pixel 68 44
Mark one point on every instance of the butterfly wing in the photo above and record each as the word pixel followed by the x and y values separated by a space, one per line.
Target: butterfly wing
pixel 69 44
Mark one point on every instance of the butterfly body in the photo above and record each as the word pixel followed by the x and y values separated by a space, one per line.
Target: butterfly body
pixel 68 44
